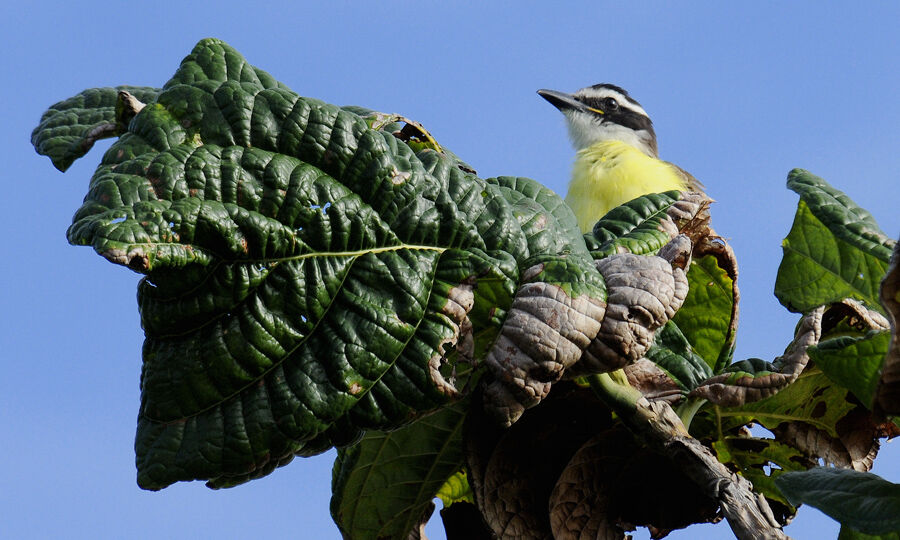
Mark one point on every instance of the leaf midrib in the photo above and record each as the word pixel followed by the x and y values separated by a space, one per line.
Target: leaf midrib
pixel 280 361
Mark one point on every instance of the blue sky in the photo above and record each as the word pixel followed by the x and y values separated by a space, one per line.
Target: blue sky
pixel 739 96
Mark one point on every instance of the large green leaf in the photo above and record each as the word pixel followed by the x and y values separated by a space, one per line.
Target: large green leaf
pixel 308 277
pixel 853 362
pixel 383 484
pixel 834 250
pixel 862 501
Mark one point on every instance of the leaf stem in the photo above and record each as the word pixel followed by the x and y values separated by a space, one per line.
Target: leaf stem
pixel 688 409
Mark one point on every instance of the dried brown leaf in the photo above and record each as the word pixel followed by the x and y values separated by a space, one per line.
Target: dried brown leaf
pixel 613 483
pixel 724 390
pixel 644 293
pixel 512 471
pixel 545 332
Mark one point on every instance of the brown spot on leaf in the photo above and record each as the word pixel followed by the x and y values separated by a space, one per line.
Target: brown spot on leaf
pixel 532 272
pixel 156 186
pixel 355 388
pixel 399 177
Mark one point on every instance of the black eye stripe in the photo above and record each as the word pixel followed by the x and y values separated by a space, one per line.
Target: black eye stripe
pixel 595 103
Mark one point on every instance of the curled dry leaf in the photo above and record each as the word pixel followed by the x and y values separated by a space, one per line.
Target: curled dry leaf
pixel 654 383
pixel 644 293
pixel 731 389
pixel 855 447
pixel 855 314
pixel 549 334
pixel 512 471
pixel 690 215
pixel 127 107
pixel 614 483
pixel 734 388
pixel 460 300
pixel 581 498
pixel 545 332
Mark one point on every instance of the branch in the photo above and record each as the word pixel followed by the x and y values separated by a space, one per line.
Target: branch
pixel 657 424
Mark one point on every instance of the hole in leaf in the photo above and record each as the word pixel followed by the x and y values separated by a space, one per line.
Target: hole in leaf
pixel 117 220
pixel 322 207
pixel 761 432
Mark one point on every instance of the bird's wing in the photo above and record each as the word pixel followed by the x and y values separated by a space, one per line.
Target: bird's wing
pixel 692 183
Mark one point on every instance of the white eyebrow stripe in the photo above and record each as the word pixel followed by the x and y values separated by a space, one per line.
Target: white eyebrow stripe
pixel 600 93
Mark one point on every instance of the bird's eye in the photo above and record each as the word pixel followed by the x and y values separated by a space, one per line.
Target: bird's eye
pixel 611 104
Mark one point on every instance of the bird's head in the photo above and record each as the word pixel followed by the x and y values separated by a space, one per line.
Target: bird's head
pixel 604 112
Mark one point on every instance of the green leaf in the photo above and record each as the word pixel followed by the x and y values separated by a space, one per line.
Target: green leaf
pixel 706 317
pixel 812 399
pixel 853 362
pixel 840 214
pixel 862 501
pixel 383 484
pixel 672 352
pixel 456 489
pixel 633 226
pixel 755 458
pixel 849 534
pixel 307 277
pixel 834 250
pixel 69 128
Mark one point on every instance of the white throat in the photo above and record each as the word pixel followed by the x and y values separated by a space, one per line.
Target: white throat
pixel 585 131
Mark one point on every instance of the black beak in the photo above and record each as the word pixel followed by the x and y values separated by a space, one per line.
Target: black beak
pixel 561 101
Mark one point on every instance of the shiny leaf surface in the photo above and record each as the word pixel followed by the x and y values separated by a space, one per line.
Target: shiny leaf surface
pixel 862 501
pixel 308 277
pixel 834 250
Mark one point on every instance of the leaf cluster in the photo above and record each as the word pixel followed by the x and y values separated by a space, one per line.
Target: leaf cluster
pixel 319 276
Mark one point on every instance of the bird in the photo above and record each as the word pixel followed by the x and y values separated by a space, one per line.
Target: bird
pixel 616 156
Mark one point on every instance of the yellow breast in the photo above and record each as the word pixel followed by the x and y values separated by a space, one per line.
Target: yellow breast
pixel 610 173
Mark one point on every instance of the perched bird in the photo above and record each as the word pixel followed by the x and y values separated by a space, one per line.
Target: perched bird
pixel 616 158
